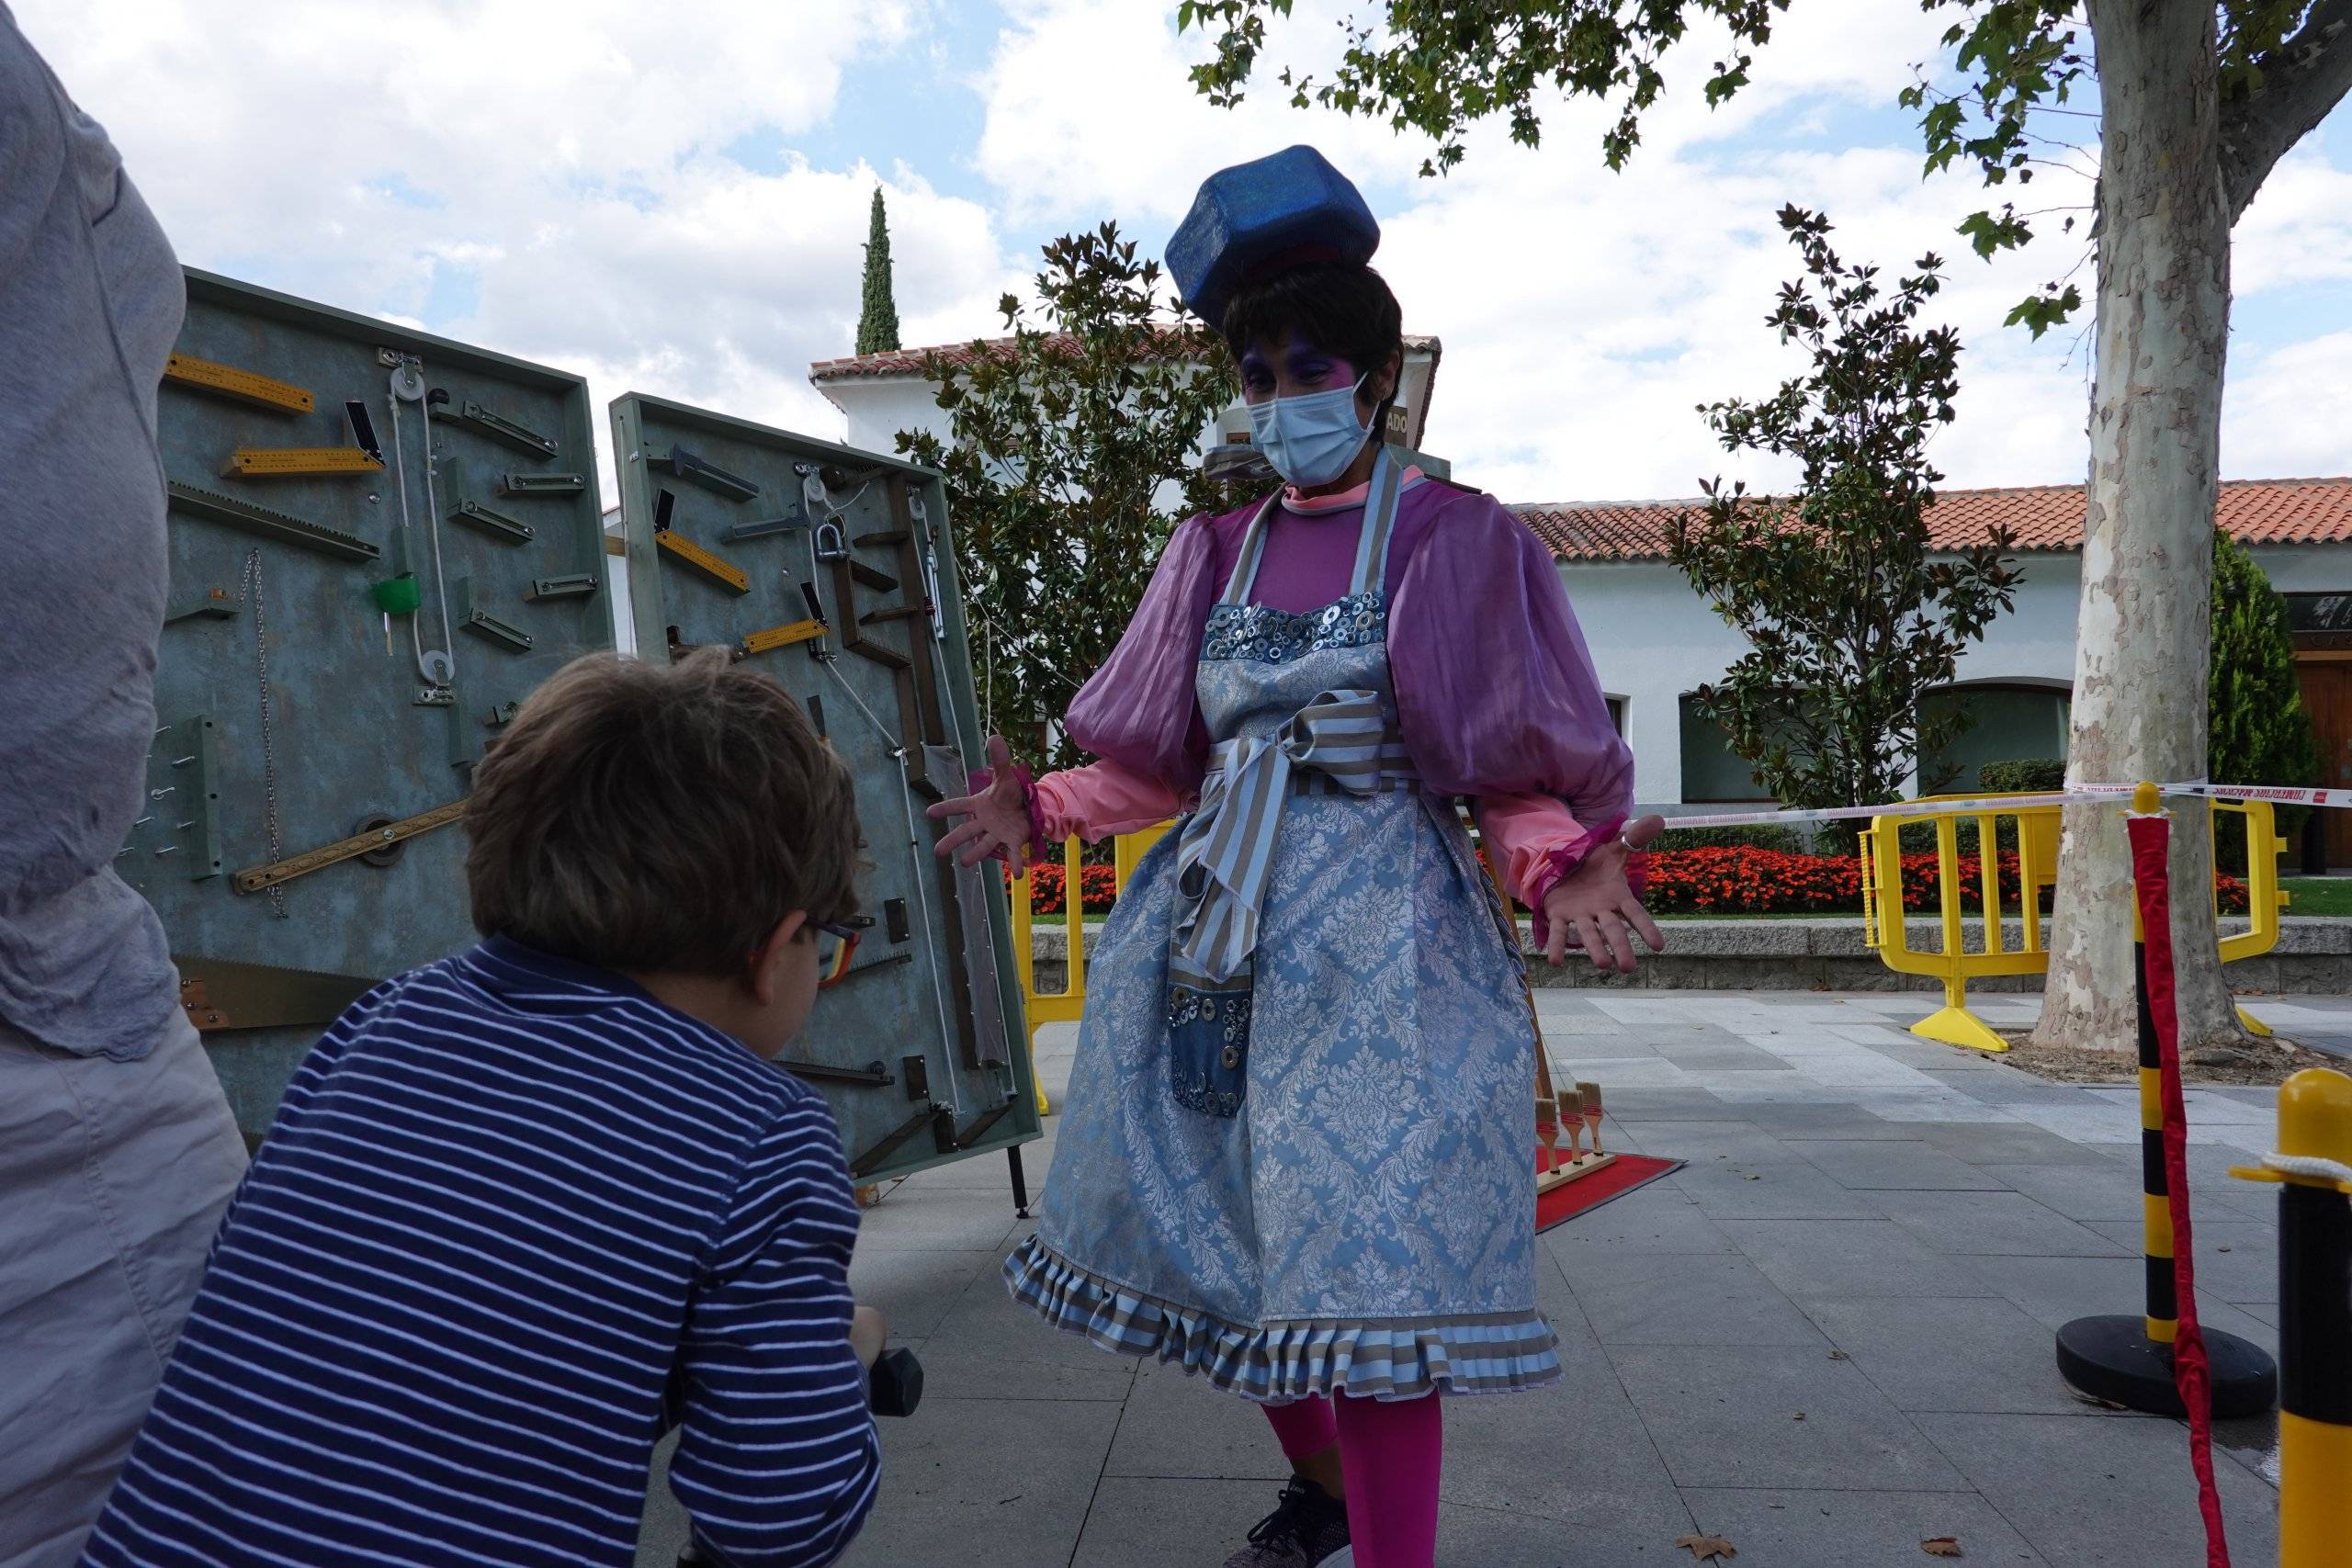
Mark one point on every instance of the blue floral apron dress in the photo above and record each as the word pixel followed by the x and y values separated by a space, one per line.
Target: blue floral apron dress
pixel 1297 1156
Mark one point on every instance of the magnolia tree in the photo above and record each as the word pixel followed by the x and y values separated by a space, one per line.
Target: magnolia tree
pixel 2196 102
pixel 1070 458
pixel 1850 621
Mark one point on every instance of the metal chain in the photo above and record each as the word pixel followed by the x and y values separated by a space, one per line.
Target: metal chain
pixel 250 587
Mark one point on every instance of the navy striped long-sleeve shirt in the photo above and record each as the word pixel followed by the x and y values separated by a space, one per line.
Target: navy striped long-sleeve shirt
pixel 508 1205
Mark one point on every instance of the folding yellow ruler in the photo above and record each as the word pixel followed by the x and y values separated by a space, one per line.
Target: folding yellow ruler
pixel 228 381
pixel 779 637
pixel 255 879
pixel 288 462
pixel 702 561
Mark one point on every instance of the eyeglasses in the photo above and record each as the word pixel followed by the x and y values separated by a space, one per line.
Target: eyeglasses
pixel 836 942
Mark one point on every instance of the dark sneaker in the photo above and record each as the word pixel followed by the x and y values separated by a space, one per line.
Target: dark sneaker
pixel 1308 1528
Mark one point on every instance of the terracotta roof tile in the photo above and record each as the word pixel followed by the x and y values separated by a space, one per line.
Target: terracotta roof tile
pixel 909 361
pixel 2039 517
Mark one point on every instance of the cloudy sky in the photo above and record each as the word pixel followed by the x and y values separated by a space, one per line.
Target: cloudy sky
pixel 671 200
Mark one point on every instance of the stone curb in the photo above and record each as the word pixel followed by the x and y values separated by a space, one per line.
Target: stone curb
pixel 2314 957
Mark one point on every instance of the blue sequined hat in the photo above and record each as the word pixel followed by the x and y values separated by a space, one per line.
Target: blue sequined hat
pixel 1260 217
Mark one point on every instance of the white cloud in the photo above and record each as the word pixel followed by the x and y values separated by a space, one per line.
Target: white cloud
pixel 2285 413
pixel 546 179
pixel 1586 315
pixel 2299 229
pixel 550 180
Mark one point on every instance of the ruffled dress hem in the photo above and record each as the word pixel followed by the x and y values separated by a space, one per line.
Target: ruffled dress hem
pixel 1278 1362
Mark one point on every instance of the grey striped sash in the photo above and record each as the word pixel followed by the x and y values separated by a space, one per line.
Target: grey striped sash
pixel 1226 851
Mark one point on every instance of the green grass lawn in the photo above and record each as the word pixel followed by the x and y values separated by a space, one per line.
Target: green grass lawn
pixel 2318 894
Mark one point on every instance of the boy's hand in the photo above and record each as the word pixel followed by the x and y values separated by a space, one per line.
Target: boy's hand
pixel 868 1333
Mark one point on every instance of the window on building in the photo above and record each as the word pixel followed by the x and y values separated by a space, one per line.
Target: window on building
pixel 2008 724
pixel 1616 714
pixel 1710 769
pixel 2319 612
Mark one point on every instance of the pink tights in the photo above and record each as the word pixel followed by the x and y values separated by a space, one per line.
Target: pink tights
pixel 1390 1453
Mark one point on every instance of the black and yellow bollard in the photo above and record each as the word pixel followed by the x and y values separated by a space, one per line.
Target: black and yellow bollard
pixel 2129 1360
pixel 2314 1316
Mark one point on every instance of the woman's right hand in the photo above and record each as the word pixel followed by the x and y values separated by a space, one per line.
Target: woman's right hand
pixel 995 822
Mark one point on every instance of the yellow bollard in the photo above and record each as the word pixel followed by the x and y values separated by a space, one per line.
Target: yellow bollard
pixel 2315 1319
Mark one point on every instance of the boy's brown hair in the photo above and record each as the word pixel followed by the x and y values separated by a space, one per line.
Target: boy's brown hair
pixel 658 817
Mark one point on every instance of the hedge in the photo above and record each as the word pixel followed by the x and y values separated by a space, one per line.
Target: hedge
pixel 2039 775
pixel 1727 879
pixel 1048 886
pixel 1763 836
pixel 1761 881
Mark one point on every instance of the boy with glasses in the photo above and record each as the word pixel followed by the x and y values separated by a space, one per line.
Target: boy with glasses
pixel 523 1209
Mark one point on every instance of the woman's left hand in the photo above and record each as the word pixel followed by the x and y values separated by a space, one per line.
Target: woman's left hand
pixel 1597 903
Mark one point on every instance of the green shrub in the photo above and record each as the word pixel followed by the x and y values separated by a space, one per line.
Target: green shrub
pixel 1764 836
pixel 1919 837
pixel 2039 775
pixel 2258 729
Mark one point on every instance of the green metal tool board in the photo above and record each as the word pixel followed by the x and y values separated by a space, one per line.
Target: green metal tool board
pixel 832 569
pixel 328 471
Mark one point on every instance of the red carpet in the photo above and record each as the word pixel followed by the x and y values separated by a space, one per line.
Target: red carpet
pixel 1567 1203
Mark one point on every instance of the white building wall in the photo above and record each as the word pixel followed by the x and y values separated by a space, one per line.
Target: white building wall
pixel 1653 639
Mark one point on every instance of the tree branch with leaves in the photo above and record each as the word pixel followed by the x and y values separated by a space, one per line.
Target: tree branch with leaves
pixel 1071 455
pixel 1851 615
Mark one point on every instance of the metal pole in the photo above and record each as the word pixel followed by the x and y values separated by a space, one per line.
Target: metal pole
pixel 2129 1360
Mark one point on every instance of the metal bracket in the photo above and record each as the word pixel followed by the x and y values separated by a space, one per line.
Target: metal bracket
pixel 496 525
pixel 889 961
pixel 284 528
pixel 709 475
pixel 501 715
pixel 578 586
pixel 935 1117
pixel 474 416
pixel 542 484
pixel 485 626
pixel 971 1135
pixel 764 528
pixel 216 606
pixel 877 1075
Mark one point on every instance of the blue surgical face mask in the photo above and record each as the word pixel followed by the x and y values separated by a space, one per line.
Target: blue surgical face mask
pixel 1310 439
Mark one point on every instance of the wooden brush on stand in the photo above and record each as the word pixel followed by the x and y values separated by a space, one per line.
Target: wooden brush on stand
pixel 1572 1122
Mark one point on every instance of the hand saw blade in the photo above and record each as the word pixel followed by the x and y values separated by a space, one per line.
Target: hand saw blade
pixel 220 993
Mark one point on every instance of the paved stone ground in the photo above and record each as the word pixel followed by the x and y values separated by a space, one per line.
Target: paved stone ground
pixel 1827 1338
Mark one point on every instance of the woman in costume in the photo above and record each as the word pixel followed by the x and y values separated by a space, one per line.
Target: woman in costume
pixel 1296 1157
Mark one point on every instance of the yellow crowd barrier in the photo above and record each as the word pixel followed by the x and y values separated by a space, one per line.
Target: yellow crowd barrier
pixel 2036 832
pixel 1068 1004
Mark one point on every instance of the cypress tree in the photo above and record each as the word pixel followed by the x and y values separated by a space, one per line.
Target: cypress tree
pixel 2258 729
pixel 877 321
